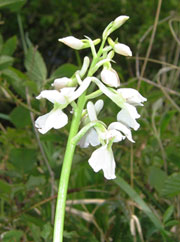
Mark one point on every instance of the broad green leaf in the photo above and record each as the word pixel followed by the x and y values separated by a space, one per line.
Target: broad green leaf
pixel 171 186
pixel 135 197
pixel 20 117
pixel 66 70
pixel 9 46
pixel 46 232
pixel 13 4
pixel 35 231
pixel 16 79
pixel 35 66
pixel 165 120
pixel 168 214
pixel 35 181
pixel 23 159
pixel 5 189
pixel 157 178
pixel 13 236
pixel 5 61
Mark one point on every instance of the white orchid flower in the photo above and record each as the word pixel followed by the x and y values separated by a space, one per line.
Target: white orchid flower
pixel 91 137
pixel 129 114
pixel 125 98
pixel 119 21
pixel 103 159
pixel 119 48
pixel 122 49
pixel 78 44
pixel 110 77
pixel 60 83
pixel 132 96
pixel 72 42
pixel 56 118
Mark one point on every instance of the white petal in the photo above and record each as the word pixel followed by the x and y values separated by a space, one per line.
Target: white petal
pixel 81 89
pixel 90 138
pixel 110 77
pixel 128 116
pixel 54 119
pixel 72 42
pixel 99 105
pixel 123 128
pixel 122 49
pixel 67 92
pixel 115 97
pixel 53 96
pixel 91 111
pixel 103 158
pixel 132 96
pixel 61 82
pixel 114 134
pixel 120 21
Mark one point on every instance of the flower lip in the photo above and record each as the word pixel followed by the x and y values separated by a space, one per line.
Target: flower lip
pixel 55 119
pixel 103 159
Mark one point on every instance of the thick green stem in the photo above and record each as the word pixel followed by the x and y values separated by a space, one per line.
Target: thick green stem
pixel 66 168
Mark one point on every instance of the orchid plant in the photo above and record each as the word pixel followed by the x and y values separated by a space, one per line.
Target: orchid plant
pixel 86 129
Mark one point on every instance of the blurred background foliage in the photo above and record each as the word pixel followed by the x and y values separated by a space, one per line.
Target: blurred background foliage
pixel 97 209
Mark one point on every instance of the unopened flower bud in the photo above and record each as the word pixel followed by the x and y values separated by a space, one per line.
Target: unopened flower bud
pixel 122 49
pixel 110 77
pixel 72 42
pixel 61 83
pixel 120 21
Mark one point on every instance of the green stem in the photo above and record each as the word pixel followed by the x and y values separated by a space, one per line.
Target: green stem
pixel 22 33
pixel 66 168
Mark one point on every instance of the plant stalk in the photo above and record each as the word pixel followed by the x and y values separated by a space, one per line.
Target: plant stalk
pixel 65 173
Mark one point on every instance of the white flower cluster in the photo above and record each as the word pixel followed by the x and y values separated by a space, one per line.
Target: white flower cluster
pixel 67 90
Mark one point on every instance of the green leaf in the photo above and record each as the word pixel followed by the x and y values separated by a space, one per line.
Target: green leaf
pixel 5 61
pixel 171 186
pixel 13 4
pixel 35 181
pixel 135 197
pixel 46 232
pixel 23 159
pixel 166 119
pixel 172 223
pixel 13 236
pixel 20 117
pixel 4 116
pixel 1 43
pixel 16 79
pixel 157 105
pixel 35 66
pixel 9 46
pixel 5 189
pixel 168 214
pixel 157 178
pixel 66 70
